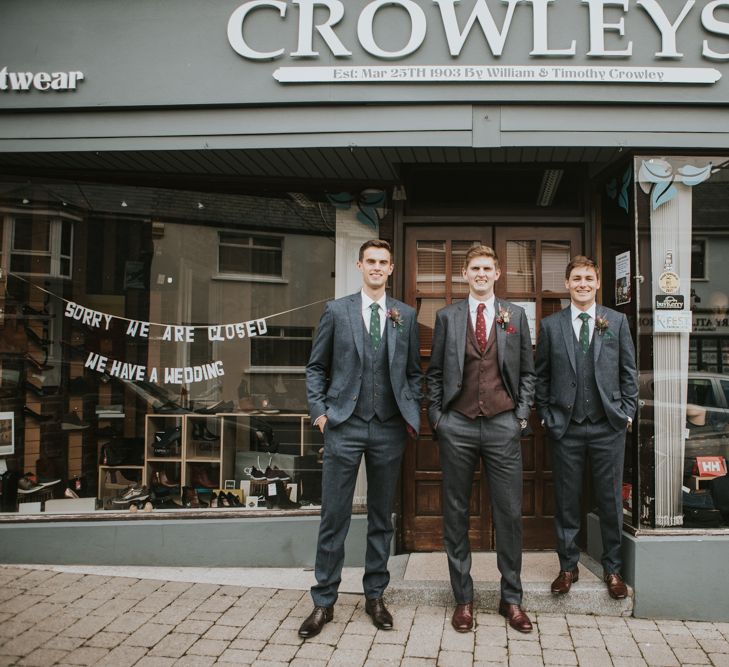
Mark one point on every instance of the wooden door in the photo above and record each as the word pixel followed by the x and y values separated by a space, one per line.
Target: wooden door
pixel 532 262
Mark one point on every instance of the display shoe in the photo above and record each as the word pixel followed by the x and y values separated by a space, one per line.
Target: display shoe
pixel 255 474
pixel 72 422
pixel 213 499
pixel 132 494
pixel 26 485
pixel 190 497
pixel 200 476
pixel 41 392
pixel 283 476
pixel 167 442
pixel 36 416
pixel 148 506
pixel 201 432
pixel 234 500
pixel 220 406
pixel 223 500
pixel 161 479
pixel 282 497
pixel 271 475
pixel 70 493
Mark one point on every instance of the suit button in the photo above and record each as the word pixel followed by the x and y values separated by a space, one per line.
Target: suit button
pixel 354 398
pixel 573 384
pixel 569 407
pixel 459 385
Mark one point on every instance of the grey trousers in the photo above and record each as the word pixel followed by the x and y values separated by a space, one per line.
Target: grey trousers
pixel 382 444
pixel 606 449
pixel 463 442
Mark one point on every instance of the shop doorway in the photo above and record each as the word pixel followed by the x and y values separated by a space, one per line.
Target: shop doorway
pixel 533 260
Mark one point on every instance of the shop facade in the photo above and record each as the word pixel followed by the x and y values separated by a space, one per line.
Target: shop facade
pixel 182 188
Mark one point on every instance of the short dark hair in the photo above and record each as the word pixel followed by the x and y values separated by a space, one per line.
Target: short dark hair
pixel 480 251
pixel 581 260
pixel 374 243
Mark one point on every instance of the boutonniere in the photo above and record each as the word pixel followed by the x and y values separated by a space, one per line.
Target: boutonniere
pixel 503 319
pixel 602 325
pixel 396 318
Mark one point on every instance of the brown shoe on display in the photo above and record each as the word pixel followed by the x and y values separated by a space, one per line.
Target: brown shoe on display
pixel 616 586
pixel 562 584
pixel 462 620
pixel 381 618
pixel 516 616
pixel 315 621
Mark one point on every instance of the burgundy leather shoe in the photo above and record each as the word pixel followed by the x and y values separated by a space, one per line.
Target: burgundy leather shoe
pixel 377 611
pixel 462 620
pixel 315 621
pixel 562 584
pixel 516 616
pixel 616 586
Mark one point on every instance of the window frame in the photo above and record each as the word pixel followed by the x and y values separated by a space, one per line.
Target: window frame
pixel 250 276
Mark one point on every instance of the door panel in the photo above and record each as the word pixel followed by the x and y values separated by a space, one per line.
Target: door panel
pixel 532 262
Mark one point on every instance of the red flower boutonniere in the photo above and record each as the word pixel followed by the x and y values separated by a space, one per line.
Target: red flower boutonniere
pixel 503 319
pixel 602 326
pixel 396 318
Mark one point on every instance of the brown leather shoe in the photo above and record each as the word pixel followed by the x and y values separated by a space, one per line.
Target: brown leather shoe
pixel 616 586
pixel 516 616
pixel 462 620
pixel 315 621
pixel 381 618
pixel 564 581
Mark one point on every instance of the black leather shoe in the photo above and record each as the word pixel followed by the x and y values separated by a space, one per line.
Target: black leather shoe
pixel 315 621
pixel 381 618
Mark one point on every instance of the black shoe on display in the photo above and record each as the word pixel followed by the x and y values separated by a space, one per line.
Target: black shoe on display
pixel 255 474
pixel 34 415
pixel 72 422
pixel 282 498
pixel 38 365
pixel 220 406
pixel 166 441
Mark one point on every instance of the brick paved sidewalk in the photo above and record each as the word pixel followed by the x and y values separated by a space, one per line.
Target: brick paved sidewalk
pixel 51 618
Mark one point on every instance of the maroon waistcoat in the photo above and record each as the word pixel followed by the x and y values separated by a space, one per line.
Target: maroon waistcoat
pixel 483 393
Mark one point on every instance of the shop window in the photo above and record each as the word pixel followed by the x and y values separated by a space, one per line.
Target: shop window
pixel 249 255
pixel 698 259
pixel 38 246
pixel 282 348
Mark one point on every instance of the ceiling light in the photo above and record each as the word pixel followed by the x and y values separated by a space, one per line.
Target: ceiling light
pixel 548 188
pixel 124 204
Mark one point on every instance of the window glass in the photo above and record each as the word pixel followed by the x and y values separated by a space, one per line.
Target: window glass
pixel 170 369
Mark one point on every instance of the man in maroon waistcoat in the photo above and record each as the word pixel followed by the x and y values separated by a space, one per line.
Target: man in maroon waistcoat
pixel 481 387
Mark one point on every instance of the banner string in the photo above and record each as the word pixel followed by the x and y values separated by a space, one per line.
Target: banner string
pixel 160 324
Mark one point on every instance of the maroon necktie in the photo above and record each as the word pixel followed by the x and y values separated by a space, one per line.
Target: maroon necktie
pixel 481 326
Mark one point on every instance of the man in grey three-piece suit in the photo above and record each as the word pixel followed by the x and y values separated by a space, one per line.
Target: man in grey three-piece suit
pixel 363 384
pixel 586 397
pixel 481 385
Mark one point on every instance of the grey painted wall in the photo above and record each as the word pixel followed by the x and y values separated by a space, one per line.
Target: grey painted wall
pixel 138 53
pixel 249 542
pixel 674 576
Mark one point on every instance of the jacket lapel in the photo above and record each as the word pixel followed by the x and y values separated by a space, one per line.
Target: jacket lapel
pixel 568 335
pixel 355 319
pixel 597 337
pixel 459 328
pixel 390 333
pixel 500 337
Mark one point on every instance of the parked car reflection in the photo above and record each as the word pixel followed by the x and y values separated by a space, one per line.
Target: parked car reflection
pixel 707 413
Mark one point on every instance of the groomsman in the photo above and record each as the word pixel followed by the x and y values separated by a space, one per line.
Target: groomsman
pixel 363 384
pixel 586 396
pixel 481 385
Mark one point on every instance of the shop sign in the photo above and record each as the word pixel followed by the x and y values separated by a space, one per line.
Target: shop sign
pixel 242 23
pixel 43 81
pixel 673 322
pixel 669 302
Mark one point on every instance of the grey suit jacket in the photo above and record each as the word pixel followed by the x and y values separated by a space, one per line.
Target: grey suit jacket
pixel 516 361
pixel 615 371
pixel 334 371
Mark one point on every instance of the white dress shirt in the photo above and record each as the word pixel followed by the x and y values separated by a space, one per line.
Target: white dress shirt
pixel 577 322
pixel 367 312
pixel 488 312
